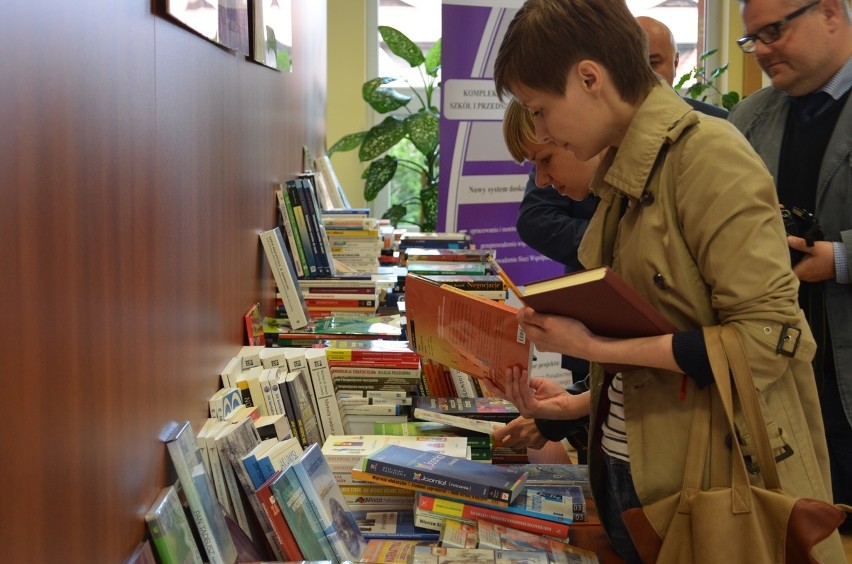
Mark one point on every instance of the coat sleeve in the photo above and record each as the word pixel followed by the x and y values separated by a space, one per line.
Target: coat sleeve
pixel 553 224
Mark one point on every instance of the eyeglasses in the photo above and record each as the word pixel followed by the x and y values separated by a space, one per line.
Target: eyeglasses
pixel 772 32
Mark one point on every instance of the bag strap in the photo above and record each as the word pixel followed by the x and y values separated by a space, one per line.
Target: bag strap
pixel 750 407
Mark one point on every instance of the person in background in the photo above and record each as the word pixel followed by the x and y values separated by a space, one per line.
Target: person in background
pixel 703 243
pixel 555 230
pixel 801 126
pixel 664 58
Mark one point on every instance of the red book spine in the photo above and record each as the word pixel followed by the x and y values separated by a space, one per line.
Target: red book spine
pixel 282 531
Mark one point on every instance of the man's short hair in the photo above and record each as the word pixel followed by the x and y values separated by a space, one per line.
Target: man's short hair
pixel 546 38
pixel 518 127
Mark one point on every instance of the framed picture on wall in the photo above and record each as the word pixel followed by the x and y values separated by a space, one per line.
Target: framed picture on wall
pixel 234 25
pixel 273 34
pixel 201 16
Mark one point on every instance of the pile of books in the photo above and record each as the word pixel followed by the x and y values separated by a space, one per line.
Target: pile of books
pixel 355 238
pixel 373 380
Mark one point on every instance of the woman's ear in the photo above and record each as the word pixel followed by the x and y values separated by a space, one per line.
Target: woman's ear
pixel 590 74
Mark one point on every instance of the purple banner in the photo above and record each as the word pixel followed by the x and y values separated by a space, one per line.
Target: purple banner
pixel 480 186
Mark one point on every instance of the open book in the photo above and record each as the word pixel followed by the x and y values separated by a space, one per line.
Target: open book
pixel 603 301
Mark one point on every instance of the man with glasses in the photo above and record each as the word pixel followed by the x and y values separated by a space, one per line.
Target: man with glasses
pixel 802 128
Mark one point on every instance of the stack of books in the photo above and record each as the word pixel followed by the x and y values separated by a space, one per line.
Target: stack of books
pixel 479 443
pixel 436 240
pixel 374 381
pixel 301 220
pixel 480 414
pixel 355 238
pixel 279 333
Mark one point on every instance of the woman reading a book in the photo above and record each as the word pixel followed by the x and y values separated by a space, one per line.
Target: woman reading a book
pixel 689 218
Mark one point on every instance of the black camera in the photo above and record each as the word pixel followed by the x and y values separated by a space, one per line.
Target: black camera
pixel 801 223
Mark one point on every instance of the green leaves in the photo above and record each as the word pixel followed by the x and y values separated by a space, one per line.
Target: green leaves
pixel 417 163
pixel 401 46
pixel 433 59
pixel 347 142
pixel 381 137
pixel 422 129
pixel 383 100
pixel 379 173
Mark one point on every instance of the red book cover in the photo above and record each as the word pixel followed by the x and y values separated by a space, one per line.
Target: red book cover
pixel 282 530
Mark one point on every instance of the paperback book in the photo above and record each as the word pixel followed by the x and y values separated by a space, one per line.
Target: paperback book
pixel 343 452
pixel 445 555
pixel 477 425
pixel 391 525
pixel 492 408
pixel 170 530
pixel 331 509
pixel 300 516
pixel 391 551
pixel 450 473
pixel 478 336
pixel 206 512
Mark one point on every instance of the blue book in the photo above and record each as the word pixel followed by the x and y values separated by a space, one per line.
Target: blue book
pixel 392 525
pixel 448 473
pixel 330 506
pixel 300 515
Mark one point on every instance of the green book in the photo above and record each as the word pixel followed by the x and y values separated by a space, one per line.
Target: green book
pixel 300 516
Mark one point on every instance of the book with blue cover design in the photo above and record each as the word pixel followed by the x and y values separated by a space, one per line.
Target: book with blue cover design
pixel 448 473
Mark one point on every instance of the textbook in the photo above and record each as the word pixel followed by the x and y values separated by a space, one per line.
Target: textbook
pixel 603 301
pixel 466 510
pixel 494 536
pixel 478 425
pixel 391 551
pixel 343 452
pixel 449 473
pixel 170 530
pixel 285 277
pixel 331 509
pixel 475 440
pixel 392 525
pixel 478 336
pixel 491 409
pixel 446 555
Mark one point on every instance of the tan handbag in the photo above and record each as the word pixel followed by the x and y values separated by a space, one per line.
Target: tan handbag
pixel 731 521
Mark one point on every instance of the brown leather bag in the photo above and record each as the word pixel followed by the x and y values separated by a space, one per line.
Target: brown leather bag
pixel 732 520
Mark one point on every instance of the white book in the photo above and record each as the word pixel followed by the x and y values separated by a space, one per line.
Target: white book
pixel 230 477
pixel 267 377
pixel 212 464
pixel 256 389
pixel 224 402
pixel 231 371
pixel 463 383
pixel 250 356
pixel 363 424
pixel 235 442
pixel 487 427
pixel 344 452
pixel 369 409
pixel 285 277
pixel 273 427
pixel 279 457
pixel 277 392
pixel 328 410
pixel 303 409
pixel 272 358
pixel 297 361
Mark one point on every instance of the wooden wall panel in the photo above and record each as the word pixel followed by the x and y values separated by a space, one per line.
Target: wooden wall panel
pixel 136 166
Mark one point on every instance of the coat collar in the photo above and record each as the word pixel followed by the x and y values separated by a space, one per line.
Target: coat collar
pixel 661 119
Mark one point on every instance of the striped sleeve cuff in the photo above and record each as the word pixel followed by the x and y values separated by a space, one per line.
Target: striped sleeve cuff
pixel 841 265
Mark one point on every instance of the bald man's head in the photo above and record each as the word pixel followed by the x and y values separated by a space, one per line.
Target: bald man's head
pixel 662 49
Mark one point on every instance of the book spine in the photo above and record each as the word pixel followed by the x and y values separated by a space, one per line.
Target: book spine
pixel 334 303
pixel 287 220
pixel 463 384
pixel 266 385
pixel 218 475
pixel 288 405
pixel 299 214
pixel 292 500
pixel 298 416
pixel 243 387
pixel 285 278
pixel 256 390
pixel 479 425
pixel 458 510
pixel 370 409
pixel 328 410
pixel 284 539
pixel 310 200
pixel 313 235
pixel 233 487
pixel 297 236
pixel 316 501
pixel 354 372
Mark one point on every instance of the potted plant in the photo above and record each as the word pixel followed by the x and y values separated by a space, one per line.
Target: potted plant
pixel 704 82
pixel 419 127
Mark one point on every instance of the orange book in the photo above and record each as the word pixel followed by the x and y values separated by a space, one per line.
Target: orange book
pixel 478 336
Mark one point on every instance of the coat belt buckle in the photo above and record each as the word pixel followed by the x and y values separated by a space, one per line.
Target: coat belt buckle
pixel 784 340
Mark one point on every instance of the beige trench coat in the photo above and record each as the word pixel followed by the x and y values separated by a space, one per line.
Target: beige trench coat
pixel 702 239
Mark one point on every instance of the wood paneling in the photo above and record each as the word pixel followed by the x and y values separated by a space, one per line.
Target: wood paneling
pixel 136 167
